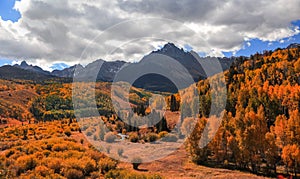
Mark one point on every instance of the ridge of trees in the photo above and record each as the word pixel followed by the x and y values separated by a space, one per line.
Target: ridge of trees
pixel 260 130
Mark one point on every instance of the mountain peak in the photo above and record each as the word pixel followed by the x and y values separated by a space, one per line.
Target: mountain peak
pixel 78 66
pixel 24 64
pixel 170 47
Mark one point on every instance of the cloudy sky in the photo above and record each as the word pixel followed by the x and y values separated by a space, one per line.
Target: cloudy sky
pixel 56 33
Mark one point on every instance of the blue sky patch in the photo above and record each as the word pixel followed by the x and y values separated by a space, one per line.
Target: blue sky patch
pixel 7 12
pixel 59 66
pixel 5 62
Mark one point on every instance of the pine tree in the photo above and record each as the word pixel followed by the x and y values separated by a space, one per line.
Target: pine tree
pixel 162 125
pixel 173 104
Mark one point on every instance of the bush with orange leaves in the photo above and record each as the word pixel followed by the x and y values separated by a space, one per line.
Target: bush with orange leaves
pixel 55 156
pixel 25 163
pixel 106 165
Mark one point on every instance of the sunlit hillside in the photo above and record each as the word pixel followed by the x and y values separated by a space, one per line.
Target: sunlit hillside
pixel 40 136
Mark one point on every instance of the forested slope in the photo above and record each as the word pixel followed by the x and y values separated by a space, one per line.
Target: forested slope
pixel 260 130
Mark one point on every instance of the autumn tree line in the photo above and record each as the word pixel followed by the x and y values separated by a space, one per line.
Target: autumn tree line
pixel 54 101
pixel 260 130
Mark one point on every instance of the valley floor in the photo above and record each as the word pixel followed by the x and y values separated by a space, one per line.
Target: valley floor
pixel 177 165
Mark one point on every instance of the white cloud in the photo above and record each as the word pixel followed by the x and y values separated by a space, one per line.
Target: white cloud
pixel 53 31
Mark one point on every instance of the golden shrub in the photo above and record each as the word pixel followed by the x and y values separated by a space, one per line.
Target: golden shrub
pixel 74 174
pixel 43 171
pixel 25 163
pixel 107 164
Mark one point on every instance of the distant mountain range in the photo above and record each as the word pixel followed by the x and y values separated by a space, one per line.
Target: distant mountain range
pixel 14 72
pixel 109 70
